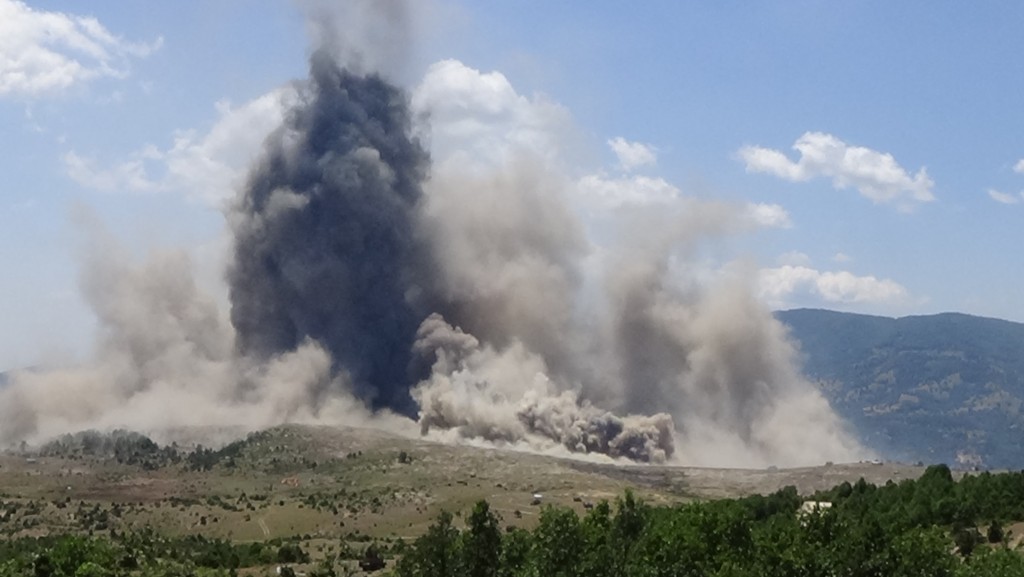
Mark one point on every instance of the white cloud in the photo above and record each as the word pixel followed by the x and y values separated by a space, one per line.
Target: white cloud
pixel 611 193
pixel 600 192
pixel 1019 167
pixel 632 155
pixel 1005 197
pixel 209 166
pixel 794 258
pixel 477 120
pixel 772 161
pixel 204 166
pixel 45 52
pixel 777 285
pixel 841 257
pixel 768 215
pixel 876 175
pixel 129 175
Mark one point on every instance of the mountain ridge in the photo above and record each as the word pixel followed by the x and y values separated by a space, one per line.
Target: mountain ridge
pixel 945 387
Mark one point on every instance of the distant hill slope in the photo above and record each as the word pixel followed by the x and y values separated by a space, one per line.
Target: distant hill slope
pixel 938 388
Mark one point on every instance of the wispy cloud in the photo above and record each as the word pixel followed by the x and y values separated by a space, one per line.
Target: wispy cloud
pixel 1019 167
pixel 778 284
pixel 768 215
pixel 1005 197
pixel 205 166
pixel 794 258
pixel 633 155
pixel 129 175
pixel 613 192
pixel 876 175
pixel 46 52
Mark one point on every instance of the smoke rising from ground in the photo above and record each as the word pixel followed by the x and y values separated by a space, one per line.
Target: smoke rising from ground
pixel 165 360
pixel 324 246
pixel 507 396
pixel 367 283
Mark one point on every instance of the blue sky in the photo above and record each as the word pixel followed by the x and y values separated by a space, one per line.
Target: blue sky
pixel 905 195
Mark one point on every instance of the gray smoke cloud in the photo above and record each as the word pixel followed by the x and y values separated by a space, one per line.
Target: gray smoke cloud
pixel 707 352
pixel 324 246
pixel 366 284
pixel 165 360
pixel 506 395
pixel 507 251
pixel 699 371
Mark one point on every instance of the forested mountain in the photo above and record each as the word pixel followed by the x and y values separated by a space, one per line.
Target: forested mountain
pixel 938 388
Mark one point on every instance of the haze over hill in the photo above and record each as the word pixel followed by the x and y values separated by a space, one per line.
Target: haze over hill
pixel 937 388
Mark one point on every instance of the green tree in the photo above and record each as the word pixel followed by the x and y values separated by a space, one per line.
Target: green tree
pixel 515 553
pixel 69 553
pixel 627 527
pixel 923 553
pixel 435 553
pixel 995 532
pixel 966 539
pixel 598 557
pixel 998 562
pixel 291 553
pixel 481 543
pixel 91 569
pixel 558 543
pixel 42 566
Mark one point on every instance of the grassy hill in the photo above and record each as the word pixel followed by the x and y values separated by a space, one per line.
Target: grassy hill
pixel 939 388
pixel 330 493
pixel 317 500
pixel 338 483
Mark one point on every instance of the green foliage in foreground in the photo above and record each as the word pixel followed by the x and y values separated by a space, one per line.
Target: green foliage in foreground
pixel 916 528
pixel 930 527
pixel 142 553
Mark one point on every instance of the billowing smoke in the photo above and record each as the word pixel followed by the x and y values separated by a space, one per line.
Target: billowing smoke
pixel 507 396
pixel 367 283
pixel 709 354
pixel 165 360
pixel 324 245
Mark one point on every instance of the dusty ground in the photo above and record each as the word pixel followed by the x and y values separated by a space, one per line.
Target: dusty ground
pixel 331 483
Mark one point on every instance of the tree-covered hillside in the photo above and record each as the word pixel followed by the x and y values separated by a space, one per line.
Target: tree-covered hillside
pixel 927 527
pixel 938 388
pixel 934 526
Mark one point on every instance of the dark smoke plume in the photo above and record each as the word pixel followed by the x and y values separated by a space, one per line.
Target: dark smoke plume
pixel 324 244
